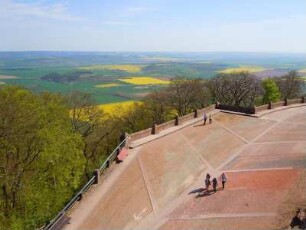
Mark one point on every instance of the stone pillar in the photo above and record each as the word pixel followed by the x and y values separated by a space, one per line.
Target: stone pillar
pixel 270 105
pixel 154 129
pixel 195 113
pixel 285 102
pixel 97 176
pixel 177 122
pixel 253 110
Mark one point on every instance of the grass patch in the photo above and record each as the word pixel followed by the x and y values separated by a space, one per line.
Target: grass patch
pixel 144 81
pixel 107 85
pixel 126 68
pixel 251 69
pixel 302 71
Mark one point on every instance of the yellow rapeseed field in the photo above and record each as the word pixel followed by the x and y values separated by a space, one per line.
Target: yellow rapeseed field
pixel 251 69
pixel 111 107
pixel 127 68
pixel 109 85
pixel 143 81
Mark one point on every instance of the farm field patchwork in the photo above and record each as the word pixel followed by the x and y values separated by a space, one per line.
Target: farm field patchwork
pixel 107 85
pixel 144 81
pixel 251 69
pixel 118 77
pixel 126 68
pixel 3 77
pixel 302 71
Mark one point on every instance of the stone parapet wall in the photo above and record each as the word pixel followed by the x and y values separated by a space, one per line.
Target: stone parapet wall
pixel 186 118
pixel 140 134
pixel 278 104
pixel 166 125
pixel 200 112
pixel 261 108
pixel 169 124
pixel 294 101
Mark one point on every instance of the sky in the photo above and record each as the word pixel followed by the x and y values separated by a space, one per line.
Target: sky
pixel 153 25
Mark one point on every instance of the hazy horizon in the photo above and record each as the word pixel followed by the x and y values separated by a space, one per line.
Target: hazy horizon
pixel 264 26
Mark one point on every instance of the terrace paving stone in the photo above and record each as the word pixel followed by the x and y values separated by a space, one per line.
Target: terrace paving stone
pixel 160 184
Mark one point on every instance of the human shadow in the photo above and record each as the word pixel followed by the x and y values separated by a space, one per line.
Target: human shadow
pixel 205 193
pixel 198 125
pixel 198 190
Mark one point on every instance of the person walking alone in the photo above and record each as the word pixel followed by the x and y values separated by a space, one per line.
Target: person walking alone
pixel 205 118
pixel 223 180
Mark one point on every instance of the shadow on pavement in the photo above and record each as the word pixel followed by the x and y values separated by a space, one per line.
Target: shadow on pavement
pixel 198 190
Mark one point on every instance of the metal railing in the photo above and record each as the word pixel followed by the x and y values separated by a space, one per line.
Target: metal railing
pixel 92 180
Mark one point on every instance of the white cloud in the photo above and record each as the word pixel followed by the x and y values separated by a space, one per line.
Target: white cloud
pixel 12 10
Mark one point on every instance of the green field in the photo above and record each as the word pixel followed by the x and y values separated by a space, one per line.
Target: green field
pixel 119 77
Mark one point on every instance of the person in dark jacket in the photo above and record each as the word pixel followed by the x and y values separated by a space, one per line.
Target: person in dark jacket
pixel 299 220
pixel 215 184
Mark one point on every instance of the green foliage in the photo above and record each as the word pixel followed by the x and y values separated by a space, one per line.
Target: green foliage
pixel 272 93
pixel 41 156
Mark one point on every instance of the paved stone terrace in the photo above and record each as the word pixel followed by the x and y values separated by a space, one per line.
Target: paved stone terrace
pixel 160 184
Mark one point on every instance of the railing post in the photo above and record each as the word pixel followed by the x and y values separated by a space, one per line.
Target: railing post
pixel 154 129
pixel 97 176
pixel 177 120
pixel 285 102
pixel 253 110
pixel 195 113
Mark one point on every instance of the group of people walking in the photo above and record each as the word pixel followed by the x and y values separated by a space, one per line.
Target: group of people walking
pixel 214 181
pixel 299 221
pixel 205 119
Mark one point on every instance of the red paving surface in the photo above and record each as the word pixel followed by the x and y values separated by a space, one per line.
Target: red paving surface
pixel 285 132
pixel 271 155
pixel 209 141
pixel 153 192
pixel 121 205
pixel 247 192
pixel 246 127
pixel 171 168
pixel 260 223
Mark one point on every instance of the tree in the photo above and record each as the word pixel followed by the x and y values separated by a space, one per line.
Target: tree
pixel 237 89
pixel 185 95
pixel 272 93
pixel 41 157
pixel 158 108
pixel 93 125
pixel 290 85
